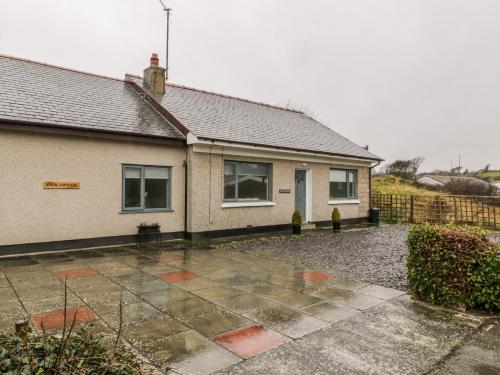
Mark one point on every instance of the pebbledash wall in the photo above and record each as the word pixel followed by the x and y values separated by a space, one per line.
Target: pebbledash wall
pixel 31 214
pixel 205 190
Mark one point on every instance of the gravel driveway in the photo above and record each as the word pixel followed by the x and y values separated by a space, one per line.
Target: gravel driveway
pixel 374 255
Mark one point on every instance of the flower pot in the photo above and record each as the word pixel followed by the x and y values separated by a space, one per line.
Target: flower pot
pixel 296 229
pixel 336 226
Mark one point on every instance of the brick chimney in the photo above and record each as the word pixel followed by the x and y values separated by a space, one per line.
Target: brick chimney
pixel 154 76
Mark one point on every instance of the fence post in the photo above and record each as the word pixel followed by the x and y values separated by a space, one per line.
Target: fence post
pixel 412 218
pixel 390 205
pixel 455 219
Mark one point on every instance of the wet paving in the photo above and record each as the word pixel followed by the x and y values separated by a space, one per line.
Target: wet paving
pixel 221 310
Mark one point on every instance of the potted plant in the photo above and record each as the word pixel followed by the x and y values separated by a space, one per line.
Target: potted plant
pixel 336 219
pixel 296 222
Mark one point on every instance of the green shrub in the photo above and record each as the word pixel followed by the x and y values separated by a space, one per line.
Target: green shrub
pixel 452 265
pixel 296 218
pixel 80 353
pixel 336 215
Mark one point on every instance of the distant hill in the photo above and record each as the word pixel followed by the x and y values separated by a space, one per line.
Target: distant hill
pixel 389 184
pixel 494 175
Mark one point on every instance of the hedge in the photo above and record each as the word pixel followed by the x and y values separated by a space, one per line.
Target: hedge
pixel 454 266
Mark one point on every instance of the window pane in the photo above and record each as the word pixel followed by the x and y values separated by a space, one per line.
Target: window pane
pixel 338 183
pixel 229 187
pixel 229 180
pixel 229 169
pixel 252 187
pixel 352 183
pixel 155 193
pixel 253 168
pixel 151 172
pixel 132 173
pixel 337 175
pixel 132 188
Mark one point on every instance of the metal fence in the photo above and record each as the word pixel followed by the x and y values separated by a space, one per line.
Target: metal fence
pixel 438 209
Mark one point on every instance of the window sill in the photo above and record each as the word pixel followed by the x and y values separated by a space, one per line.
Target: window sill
pixel 344 201
pixel 247 204
pixel 146 211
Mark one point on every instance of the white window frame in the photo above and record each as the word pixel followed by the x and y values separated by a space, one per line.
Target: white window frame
pixel 142 208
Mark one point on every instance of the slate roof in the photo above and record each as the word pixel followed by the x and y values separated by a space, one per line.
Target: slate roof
pixel 220 117
pixel 48 95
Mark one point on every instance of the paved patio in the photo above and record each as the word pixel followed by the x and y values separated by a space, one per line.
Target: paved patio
pixel 202 311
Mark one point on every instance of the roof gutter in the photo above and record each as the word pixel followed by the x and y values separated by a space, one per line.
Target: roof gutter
pixel 40 127
pixel 290 149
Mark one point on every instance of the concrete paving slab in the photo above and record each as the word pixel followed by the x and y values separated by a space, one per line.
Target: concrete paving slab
pixel 217 293
pixel 286 321
pixel 3 281
pixel 196 284
pixel 131 313
pixel 188 308
pixel 40 292
pixel 141 287
pixel 34 306
pixel 191 353
pixel 161 298
pixel 348 298
pixel 295 299
pixel 244 302
pixel 263 288
pixel 217 322
pixel 113 298
pixel 380 292
pixel 467 366
pixel 249 341
pixel 329 311
pixel 149 330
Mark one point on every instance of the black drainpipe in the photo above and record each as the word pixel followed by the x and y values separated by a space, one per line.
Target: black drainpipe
pixel 370 182
pixel 186 197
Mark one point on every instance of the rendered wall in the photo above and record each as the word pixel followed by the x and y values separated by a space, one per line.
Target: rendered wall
pixel 206 195
pixel 29 213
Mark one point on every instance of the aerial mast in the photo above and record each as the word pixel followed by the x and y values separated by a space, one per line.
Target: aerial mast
pixel 167 10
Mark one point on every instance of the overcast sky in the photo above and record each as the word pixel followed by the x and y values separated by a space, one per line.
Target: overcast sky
pixel 408 77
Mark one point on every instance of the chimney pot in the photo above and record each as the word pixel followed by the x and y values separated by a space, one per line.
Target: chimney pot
pixel 155 61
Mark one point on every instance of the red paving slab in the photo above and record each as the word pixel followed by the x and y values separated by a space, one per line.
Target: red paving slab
pixel 172 277
pixel 74 273
pixel 169 258
pixel 55 319
pixel 314 276
pixel 247 342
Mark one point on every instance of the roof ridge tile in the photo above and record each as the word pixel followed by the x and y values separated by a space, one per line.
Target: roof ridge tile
pixel 59 67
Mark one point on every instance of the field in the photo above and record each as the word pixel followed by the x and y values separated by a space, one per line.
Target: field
pixel 494 175
pixel 402 202
pixel 389 184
